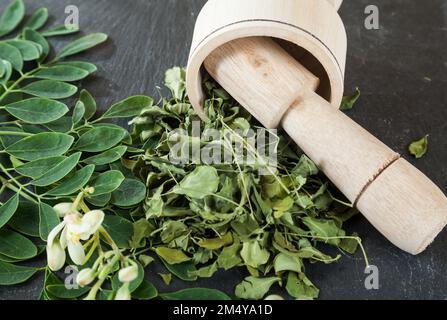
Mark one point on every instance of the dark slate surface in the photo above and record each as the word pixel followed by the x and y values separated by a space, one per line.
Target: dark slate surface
pixel 401 69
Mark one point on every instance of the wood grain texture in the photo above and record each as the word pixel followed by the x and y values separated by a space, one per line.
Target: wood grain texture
pixel 401 70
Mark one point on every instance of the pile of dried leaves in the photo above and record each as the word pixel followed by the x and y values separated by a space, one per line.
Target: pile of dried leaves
pixel 199 218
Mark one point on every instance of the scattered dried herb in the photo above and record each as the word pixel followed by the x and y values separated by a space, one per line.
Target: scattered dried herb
pixel 419 148
pixel 348 102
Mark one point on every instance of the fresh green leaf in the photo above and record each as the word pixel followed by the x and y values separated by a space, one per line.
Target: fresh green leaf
pixel 129 107
pixel 61 31
pixel 50 89
pixel 120 229
pixel 35 169
pixel 175 80
pixel 11 54
pixel 36 37
pixel 11 17
pixel 58 172
pixel 37 110
pixel 107 182
pixel 89 67
pixel 8 209
pixel 100 139
pixel 61 291
pixel 89 104
pixel 38 19
pixel 73 183
pixel 11 274
pixel 184 271
pixel 48 220
pixel 78 113
pixel 62 73
pixel 26 219
pixel 348 102
pixel 82 44
pixel 146 291
pixel 41 145
pixel 419 148
pixel 195 294
pixel 29 50
pixel 129 193
pixel 107 157
pixel 14 245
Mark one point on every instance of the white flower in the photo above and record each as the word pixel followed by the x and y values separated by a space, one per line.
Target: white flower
pixel 85 277
pixel 128 274
pixel 62 209
pixel 123 293
pixel 71 231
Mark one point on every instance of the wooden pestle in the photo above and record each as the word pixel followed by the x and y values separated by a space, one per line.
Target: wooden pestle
pixel 399 200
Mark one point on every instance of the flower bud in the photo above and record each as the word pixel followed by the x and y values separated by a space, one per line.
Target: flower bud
pixel 85 277
pixel 55 256
pixel 128 274
pixel 62 209
pixel 123 293
pixel 274 297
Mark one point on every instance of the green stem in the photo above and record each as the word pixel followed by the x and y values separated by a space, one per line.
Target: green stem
pixel 17 82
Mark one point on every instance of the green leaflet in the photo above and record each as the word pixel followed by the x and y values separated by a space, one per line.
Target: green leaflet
pixel 107 157
pixel 73 183
pixel 8 209
pixel 14 245
pixel 348 102
pixel 120 229
pixel 38 19
pixel 87 66
pixel 62 73
pixel 61 31
pixel 11 54
pixel 419 148
pixel 78 113
pixel 26 219
pixel 58 172
pixel 11 17
pixel 100 139
pixel 29 50
pixel 50 89
pixel 82 44
pixel 32 35
pixel 48 219
pixel 41 145
pixel 146 291
pixel 195 294
pixel 89 104
pixel 107 182
pixel 60 291
pixel 129 193
pixel 11 274
pixel 253 288
pixel 129 107
pixel 202 182
pixel 35 169
pixel 37 110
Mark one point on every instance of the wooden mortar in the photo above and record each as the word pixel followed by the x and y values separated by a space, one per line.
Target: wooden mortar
pixel 284 60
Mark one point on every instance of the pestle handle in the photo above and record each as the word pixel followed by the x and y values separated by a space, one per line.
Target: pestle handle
pixel 399 200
